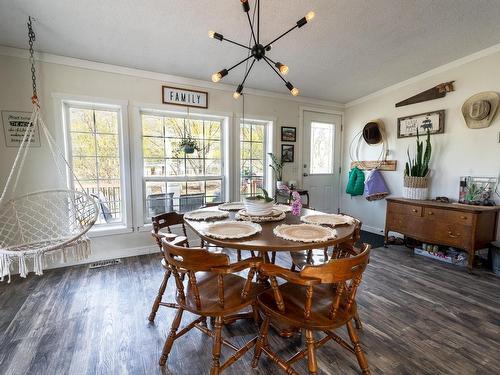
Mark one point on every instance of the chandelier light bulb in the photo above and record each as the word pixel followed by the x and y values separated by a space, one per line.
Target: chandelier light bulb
pixel 216 77
pixel 211 34
pixel 310 15
pixel 238 91
pixel 236 95
pixel 295 91
pixel 282 68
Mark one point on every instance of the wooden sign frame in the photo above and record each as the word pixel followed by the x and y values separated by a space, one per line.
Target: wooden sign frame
pixel 166 101
pixel 417 118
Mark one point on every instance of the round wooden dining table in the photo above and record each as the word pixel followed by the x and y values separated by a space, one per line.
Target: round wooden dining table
pixel 266 241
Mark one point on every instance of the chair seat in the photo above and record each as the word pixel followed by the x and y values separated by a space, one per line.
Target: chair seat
pixel 294 297
pixel 207 287
pixel 300 258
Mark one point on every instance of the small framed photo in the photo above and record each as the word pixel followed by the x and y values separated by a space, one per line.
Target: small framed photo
pixel 287 153
pixel 288 134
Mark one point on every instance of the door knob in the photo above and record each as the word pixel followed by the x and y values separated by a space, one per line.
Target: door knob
pixel 305 174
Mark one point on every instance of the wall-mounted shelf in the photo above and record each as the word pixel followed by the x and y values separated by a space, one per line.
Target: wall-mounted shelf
pixel 366 165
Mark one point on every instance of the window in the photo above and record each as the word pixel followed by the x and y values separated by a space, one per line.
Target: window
pixel 173 178
pixel 94 149
pixel 322 137
pixel 252 158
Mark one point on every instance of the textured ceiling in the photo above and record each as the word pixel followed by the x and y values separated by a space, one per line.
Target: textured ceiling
pixel 350 49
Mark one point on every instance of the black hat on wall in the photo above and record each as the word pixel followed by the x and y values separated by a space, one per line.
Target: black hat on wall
pixel 372 132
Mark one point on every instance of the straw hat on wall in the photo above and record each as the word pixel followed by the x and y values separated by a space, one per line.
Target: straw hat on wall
pixel 480 109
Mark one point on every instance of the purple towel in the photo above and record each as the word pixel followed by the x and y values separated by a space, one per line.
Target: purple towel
pixel 375 187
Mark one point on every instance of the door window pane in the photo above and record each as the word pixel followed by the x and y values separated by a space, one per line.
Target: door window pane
pixel 322 137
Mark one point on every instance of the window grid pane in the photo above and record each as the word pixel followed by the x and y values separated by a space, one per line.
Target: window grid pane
pixel 201 169
pixel 252 158
pixel 96 159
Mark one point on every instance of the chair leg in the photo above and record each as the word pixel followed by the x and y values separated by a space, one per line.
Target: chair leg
pixel 159 297
pixel 238 255
pixel 311 353
pixel 353 335
pixel 264 328
pixel 357 321
pixel 217 346
pixel 171 337
pixel 273 257
pixel 256 316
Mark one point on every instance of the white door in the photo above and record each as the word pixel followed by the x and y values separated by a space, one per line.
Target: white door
pixel 321 168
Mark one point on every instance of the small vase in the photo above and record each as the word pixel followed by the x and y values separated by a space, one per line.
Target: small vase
pixel 278 184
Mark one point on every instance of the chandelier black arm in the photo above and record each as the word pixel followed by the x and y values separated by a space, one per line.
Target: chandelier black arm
pixel 248 71
pixel 258 21
pixel 238 44
pixel 281 36
pixel 241 62
pixel 251 28
pixel 272 67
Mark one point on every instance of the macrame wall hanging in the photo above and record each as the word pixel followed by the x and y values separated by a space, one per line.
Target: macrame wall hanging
pixel 49 222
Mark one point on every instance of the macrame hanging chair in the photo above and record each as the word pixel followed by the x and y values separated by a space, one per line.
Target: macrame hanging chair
pixel 53 222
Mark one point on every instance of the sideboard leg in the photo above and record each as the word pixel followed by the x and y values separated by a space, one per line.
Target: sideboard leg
pixel 470 261
pixel 386 238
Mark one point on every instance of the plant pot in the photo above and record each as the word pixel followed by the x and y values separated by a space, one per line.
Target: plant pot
pixel 416 187
pixel 189 149
pixel 258 207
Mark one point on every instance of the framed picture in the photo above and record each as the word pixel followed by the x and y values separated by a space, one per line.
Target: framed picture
pixel 14 127
pixel 434 121
pixel 288 134
pixel 287 153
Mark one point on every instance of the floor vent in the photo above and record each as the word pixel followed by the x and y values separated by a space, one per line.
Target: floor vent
pixel 105 263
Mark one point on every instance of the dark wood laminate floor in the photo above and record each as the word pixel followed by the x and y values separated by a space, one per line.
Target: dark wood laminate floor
pixel 420 317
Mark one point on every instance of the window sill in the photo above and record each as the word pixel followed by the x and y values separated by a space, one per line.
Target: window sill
pixel 108 230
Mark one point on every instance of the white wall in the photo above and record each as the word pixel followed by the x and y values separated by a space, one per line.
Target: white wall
pixel 460 151
pixel 70 76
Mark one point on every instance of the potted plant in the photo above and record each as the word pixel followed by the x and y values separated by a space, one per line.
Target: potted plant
pixel 189 145
pixel 416 179
pixel 259 205
pixel 277 166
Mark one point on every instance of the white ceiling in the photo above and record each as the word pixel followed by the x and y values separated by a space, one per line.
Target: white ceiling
pixel 352 47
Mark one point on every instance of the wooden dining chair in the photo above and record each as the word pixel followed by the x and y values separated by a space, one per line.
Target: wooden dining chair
pixel 320 256
pixel 212 290
pixel 318 298
pixel 165 221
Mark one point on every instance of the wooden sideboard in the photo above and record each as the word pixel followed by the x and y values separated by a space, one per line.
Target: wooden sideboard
pixel 462 226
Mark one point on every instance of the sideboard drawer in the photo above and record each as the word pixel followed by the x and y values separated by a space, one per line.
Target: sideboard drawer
pixel 449 216
pixel 405 209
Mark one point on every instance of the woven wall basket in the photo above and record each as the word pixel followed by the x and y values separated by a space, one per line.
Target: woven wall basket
pixel 416 187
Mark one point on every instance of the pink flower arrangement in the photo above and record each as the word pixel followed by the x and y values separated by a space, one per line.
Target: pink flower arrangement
pixel 296 201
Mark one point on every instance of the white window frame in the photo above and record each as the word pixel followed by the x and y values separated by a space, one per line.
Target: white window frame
pixel 62 104
pixel 142 224
pixel 268 122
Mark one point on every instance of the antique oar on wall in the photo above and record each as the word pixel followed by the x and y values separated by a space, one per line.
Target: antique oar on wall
pixel 436 92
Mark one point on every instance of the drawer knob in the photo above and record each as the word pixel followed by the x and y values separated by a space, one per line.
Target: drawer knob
pixel 463 217
pixel 431 213
pixel 415 210
pixel 450 233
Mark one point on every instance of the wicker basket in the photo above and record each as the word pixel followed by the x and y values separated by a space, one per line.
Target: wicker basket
pixel 416 187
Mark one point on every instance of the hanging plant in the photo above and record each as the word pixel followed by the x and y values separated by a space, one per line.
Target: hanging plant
pixel 189 145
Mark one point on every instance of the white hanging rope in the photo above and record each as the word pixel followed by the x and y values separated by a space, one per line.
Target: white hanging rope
pixel 354 154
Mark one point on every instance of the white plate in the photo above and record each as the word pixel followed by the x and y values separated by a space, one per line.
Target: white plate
pixel 232 229
pixel 231 206
pixel 205 215
pixel 276 215
pixel 304 232
pixel 327 219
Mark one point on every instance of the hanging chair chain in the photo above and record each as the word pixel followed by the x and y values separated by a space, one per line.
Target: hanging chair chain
pixel 32 38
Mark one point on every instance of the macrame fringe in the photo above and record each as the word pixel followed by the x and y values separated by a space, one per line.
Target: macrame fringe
pixel 78 250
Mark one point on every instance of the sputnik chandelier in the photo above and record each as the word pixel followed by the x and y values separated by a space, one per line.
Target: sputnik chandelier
pixel 258 51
